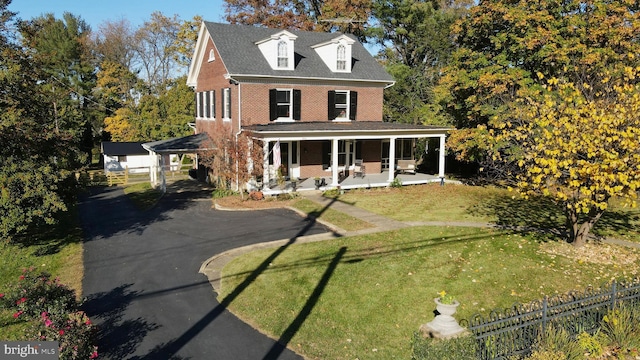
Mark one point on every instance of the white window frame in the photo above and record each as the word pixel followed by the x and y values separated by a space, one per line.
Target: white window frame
pixel 212 55
pixel 344 152
pixel 212 105
pixel 346 106
pixel 226 104
pixel 283 54
pixel 198 106
pixel 341 58
pixel 290 104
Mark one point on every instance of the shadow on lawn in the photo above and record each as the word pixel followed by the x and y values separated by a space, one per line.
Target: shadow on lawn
pixel 379 250
pixel 540 215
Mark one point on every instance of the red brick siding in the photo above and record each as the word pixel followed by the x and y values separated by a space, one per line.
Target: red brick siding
pixel 314 101
pixel 211 77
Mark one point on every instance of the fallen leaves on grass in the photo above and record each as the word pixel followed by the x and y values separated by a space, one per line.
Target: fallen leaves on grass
pixel 597 253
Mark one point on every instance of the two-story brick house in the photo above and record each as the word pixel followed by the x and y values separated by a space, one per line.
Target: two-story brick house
pixel 316 97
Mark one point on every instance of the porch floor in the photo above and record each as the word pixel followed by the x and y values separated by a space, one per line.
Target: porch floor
pixel 368 181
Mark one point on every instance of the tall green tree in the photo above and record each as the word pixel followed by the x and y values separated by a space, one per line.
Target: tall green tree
pixel 155 49
pixel 62 48
pixel 507 49
pixel 416 45
pixel 34 172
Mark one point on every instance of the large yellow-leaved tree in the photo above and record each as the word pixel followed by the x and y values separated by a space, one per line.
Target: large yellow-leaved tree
pixel 579 147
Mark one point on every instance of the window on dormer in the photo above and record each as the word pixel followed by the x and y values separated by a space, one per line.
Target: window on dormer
pixel 342 58
pixel 283 56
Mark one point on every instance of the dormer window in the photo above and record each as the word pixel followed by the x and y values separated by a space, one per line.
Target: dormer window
pixel 336 53
pixel 342 58
pixel 283 55
pixel 278 50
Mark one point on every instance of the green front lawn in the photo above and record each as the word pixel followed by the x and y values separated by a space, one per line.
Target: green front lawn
pixel 364 297
pixel 458 203
pixel 56 250
pixel 341 220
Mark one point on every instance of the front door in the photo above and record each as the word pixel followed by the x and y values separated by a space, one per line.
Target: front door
pixel 290 165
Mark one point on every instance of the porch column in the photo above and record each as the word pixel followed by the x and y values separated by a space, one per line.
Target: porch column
pixel 163 185
pixel 392 159
pixel 265 164
pixel 441 157
pixel 334 163
pixel 153 171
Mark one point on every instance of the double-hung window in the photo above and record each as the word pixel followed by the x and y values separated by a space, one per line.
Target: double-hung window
pixel 283 55
pixel 226 104
pixel 342 105
pixel 206 104
pixel 284 104
pixel 341 64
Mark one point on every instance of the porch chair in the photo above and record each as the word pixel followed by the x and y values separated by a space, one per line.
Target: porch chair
pixel 406 166
pixel 358 168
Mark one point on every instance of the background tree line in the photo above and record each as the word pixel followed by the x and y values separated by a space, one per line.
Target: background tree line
pixel 487 68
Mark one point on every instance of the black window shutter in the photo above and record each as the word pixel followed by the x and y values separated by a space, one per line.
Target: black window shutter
pixel 213 103
pixel 207 104
pixel 297 106
pixel 353 104
pixel 331 104
pixel 273 104
pixel 326 148
pixel 201 105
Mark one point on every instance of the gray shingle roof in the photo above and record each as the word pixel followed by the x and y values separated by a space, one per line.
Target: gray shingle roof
pixel 241 56
pixel 123 148
pixel 183 144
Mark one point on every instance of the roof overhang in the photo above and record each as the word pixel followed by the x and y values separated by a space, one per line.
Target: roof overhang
pixel 324 130
pixel 301 79
pixel 181 145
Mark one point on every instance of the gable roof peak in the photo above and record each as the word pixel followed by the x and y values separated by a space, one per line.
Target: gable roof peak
pixel 342 38
pixel 277 36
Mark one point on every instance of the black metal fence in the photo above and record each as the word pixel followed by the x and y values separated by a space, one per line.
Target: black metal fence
pixel 514 330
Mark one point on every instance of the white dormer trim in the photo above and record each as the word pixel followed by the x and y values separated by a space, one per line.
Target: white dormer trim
pixel 278 50
pixel 328 52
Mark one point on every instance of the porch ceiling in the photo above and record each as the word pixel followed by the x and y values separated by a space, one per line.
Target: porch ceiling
pixel 319 130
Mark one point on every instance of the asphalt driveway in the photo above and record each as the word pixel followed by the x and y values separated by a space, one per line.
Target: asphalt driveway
pixel 142 283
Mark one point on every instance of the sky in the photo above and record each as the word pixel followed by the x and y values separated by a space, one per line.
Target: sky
pixel 95 12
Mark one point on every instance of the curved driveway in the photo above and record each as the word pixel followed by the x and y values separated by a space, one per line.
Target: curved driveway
pixel 142 283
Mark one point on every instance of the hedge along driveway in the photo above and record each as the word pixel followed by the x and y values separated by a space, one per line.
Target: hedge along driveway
pixel 141 275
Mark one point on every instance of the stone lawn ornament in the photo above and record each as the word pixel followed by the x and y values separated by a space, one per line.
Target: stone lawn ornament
pixel 444 325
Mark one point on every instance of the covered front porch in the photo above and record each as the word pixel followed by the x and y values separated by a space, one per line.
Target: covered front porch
pixel 305 151
pixel 350 182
